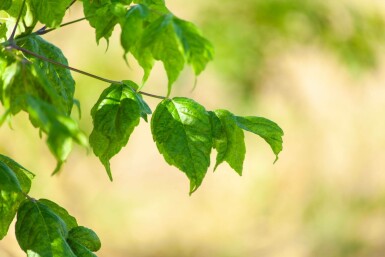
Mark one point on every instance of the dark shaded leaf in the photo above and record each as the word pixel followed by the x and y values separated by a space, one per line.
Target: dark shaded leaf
pixel 23 175
pixel 85 237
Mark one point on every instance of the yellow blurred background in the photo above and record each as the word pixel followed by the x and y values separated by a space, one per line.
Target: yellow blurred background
pixel 324 197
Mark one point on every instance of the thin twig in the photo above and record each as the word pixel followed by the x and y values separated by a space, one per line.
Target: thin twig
pixel 44 31
pixel 77 70
pixel 17 22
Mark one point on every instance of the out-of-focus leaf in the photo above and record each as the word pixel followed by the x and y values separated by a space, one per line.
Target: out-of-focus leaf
pixel 182 131
pixel 60 78
pixel 60 129
pixel 49 12
pixel 11 195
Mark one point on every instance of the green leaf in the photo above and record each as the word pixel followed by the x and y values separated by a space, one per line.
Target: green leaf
pixel 197 49
pixel 11 195
pixel 23 175
pixel 228 140
pixel 49 12
pixel 143 106
pixel 103 15
pixel 164 46
pixel 21 78
pixel 41 232
pixel 266 129
pixel 85 237
pixel 159 6
pixel 132 27
pixel 3 31
pixel 182 131
pixel 69 220
pixel 59 78
pixel 5 4
pixel 60 129
pixel 115 115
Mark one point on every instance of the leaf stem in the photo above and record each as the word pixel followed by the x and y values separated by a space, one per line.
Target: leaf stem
pixel 26 51
pixel 11 38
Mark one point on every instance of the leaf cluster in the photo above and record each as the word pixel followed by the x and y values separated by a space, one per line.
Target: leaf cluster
pixel 35 78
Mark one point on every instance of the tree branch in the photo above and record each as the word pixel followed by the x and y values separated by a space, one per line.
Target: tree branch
pixel 26 51
pixel 11 38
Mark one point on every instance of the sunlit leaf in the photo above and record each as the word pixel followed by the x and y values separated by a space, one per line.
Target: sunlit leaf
pixel 266 129
pixel 11 195
pixel 49 12
pixel 228 140
pixel 39 230
pixel 115 115
pixel 59 78
pixel 182 131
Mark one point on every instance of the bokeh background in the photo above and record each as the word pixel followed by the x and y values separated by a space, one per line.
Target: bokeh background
pixel 315 67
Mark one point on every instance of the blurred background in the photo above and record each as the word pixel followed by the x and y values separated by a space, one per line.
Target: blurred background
pixel 315 67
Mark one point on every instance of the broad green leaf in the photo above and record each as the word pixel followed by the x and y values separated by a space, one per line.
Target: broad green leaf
pixel 115 115
pixel 182 131
pixel 197 49
pixel 160 38
pixel 228 140
pixel 159 6
pixel 103 15
pixel 60 129
pixel 60 78
pixel 85 237
pixel 23 175
pixel 266 129
pixel 49 12
pixel 11 195
pixel 69 220
pixel 132 27
pixel 41 232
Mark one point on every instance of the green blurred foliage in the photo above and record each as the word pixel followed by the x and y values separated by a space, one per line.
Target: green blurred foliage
pixel 249 35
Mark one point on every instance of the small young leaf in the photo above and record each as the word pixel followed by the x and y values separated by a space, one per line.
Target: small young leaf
pixel 266 129
pixel 40 231
pixel 59 78
pixel 228 140
pixel 182 132
pixel 69 220
pixel 11 195
pixel 85 237
pixel 115 115
pixel 23 175
pixel 49 12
